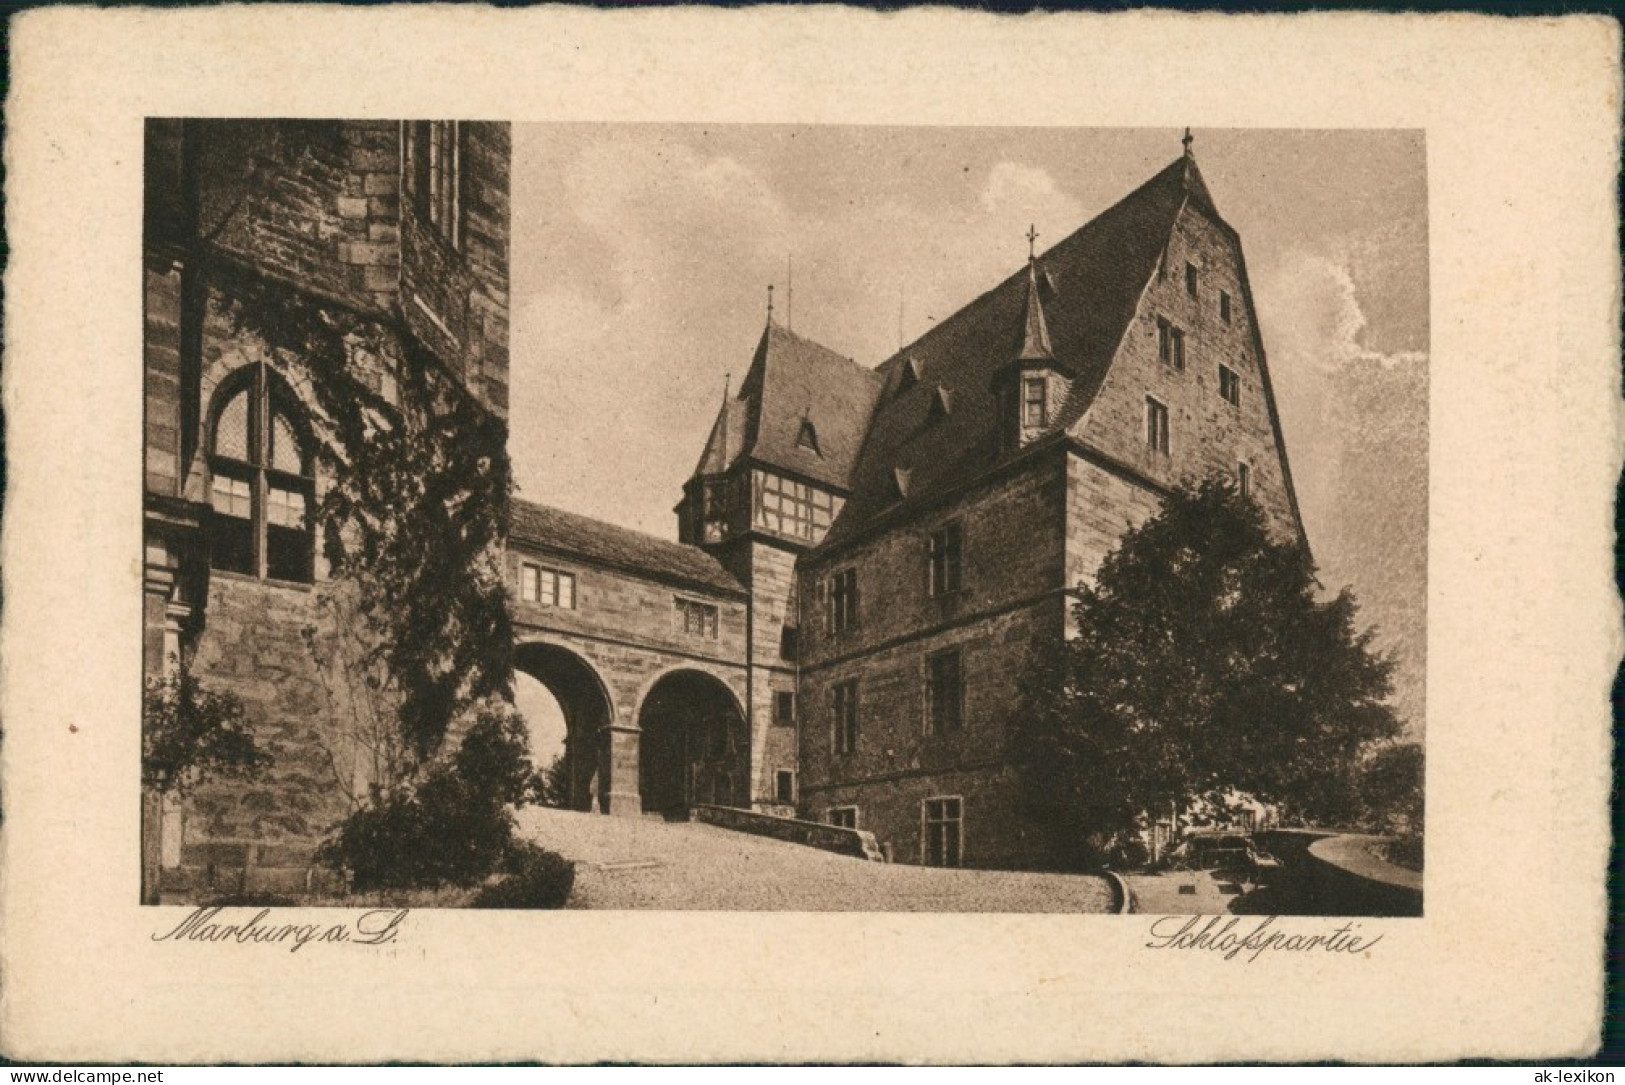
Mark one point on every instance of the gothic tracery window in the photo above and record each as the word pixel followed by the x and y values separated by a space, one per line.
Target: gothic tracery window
pixel 260 487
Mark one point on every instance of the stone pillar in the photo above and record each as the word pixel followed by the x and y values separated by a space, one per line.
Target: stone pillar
pixel 620 768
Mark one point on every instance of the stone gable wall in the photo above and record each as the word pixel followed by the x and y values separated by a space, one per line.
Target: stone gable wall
pixel 1208 436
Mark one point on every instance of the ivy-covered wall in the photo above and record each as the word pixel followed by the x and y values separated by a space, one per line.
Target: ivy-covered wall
pixel 279 243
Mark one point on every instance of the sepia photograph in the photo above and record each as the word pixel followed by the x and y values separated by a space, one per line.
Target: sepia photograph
pixel 806 536
pixel 773 517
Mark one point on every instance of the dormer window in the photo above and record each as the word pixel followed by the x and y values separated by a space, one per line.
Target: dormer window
pixel 1034 402
pixel 911 373
pixel 942 404
pixel 808 437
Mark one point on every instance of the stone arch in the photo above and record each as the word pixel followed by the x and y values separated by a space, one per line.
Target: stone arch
pixel 693 745
pixel 588 709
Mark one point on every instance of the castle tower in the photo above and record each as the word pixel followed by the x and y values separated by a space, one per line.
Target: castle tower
pixel 775 473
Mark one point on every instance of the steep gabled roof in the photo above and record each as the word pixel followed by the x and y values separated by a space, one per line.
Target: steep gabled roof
pixel 794 385
pixel 1086 287
pixel 593 541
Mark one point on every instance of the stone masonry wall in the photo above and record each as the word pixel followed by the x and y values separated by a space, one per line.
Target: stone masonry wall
pixel 260 833
pixel 613 605
pixel 1208 436
pixel 316 203
pixel 1013 563
pixel 773 744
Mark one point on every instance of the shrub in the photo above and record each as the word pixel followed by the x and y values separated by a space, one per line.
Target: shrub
pixel 536 878
pixel 452 827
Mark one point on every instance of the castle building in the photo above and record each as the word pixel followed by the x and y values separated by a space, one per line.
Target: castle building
pixel 909 533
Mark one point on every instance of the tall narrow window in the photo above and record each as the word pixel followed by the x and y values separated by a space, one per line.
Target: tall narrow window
pixel 530 583
pixel 1034 402
pixel 1224 306
pixel 261 487
pixel 1170 344
pixel 843 704
pixel 843 600
pixel 1190 279
pixel 1156 426
pixel 784 708
pixel 784 786
pixel 1244 479
pixel 433 154
pixel 1230 385
pixel 944 832
pixel 944 693
pixel 944 559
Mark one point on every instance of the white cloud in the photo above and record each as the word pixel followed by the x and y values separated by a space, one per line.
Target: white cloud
pixel 1013 185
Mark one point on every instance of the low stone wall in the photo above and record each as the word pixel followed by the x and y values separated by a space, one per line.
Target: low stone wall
pixel 859 843
pixel 1345 876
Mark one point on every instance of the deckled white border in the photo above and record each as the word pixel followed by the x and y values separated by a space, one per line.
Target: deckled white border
pixel 1521 123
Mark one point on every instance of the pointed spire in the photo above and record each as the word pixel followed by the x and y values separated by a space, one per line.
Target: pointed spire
pixel 1034 332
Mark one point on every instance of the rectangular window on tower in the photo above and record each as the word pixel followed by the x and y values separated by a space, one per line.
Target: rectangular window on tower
pixel 784 708
pixel 846 817
pixel 1244 479
pixel 696 619
pixel 1230 385
pixel 784 786
pixel 1190 279
pixel 1224 306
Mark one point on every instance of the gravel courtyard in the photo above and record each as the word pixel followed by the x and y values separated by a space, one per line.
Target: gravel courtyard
pixel 647 863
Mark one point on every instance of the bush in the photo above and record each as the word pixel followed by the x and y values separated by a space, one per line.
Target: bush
pixel 536 878
pixel 452 828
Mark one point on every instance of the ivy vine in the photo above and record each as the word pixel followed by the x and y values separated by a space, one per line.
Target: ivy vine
pixel 418 506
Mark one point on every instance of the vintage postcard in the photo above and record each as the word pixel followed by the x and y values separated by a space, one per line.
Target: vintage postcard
pixel 1077 518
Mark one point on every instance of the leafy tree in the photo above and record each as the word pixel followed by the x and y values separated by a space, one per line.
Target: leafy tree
pixel 554 784
pixel 189 733
pixel 1391 789
pixel 1205 665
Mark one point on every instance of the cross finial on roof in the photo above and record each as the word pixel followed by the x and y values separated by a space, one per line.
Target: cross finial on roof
pixel 1187 141
pixel 770 303
pixel 1032 240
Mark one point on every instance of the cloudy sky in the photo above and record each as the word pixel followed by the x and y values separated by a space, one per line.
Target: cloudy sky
pixel 642 256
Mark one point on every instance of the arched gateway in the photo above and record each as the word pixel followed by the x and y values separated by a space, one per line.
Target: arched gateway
pixel 693 745
pixel 644 645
